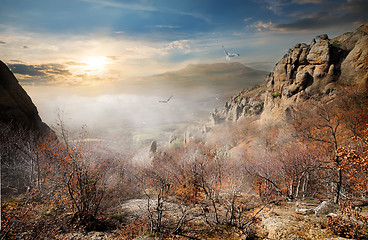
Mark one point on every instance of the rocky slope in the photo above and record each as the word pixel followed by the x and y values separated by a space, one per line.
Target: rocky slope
pixel 317 70
pixel 16 107
pixel 248 102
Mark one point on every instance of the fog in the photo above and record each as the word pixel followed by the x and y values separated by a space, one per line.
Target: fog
pixel 135 115
pixel 132 108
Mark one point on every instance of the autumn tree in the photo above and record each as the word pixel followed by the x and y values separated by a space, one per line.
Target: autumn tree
pixel 354 165
pixel 19 158
pixel 74 175
pixel 331 123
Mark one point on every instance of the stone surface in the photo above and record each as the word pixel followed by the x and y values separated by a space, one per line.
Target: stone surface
pixel 240 106
pixel 325 208
pixel 153 147
pixel 319 53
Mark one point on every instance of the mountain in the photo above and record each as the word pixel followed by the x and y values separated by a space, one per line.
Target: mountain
pixel 16 107
pixel 219 78
pixel 211 75
pixel 317 70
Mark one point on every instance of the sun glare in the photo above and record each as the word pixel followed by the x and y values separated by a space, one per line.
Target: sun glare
pixel 94 65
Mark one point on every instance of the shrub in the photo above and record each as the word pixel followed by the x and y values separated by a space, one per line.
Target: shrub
pixel 350 225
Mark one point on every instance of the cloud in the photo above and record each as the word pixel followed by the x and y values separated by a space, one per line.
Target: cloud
pixel 167 26
pixel 276 6
pixel 38 74
pixel 263 26
pixel 330 15
pixel 247 19
pixel 27 70
pixel 180 45
pixel 309 1
pixel 128 6
pixel 2 42
pixel 145 7
pixel 38 70
pixel 114 58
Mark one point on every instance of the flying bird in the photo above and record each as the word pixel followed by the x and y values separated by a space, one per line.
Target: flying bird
pixel 165 101
pixel 230 55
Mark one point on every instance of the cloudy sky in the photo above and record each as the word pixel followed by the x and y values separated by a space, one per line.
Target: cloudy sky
pixel 89 42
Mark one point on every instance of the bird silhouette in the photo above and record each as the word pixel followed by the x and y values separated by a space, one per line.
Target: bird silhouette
pixel 230 55
pixel 165 101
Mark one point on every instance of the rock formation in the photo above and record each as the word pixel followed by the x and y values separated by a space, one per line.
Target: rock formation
pixel 153 147
pixel 16 107
pixel 317 70
pixel 246 103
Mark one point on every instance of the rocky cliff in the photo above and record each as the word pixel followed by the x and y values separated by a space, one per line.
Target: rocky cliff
pixel 314 70
pixel 247 103
pixel 16 107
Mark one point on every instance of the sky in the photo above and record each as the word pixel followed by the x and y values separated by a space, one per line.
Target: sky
pixel 66 44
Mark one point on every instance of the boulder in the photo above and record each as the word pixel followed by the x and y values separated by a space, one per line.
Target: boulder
pixel 325 208
pixel 319 53
pixel 153 147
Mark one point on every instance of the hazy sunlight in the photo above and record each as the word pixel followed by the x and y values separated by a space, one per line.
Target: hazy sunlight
pixel 94 65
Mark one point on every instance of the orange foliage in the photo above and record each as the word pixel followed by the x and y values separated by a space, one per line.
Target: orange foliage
pixel 72 177
pixel 355 166
pixel 351 224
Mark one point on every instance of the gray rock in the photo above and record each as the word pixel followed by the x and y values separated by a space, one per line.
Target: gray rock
pixel 323 37
pixel 325 208
pixel 153 147
pixel 319 53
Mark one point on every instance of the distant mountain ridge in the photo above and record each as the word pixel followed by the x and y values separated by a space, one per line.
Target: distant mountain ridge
pixel 222 78
pixel 233 74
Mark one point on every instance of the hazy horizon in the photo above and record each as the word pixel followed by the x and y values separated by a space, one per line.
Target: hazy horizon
pixel 137 110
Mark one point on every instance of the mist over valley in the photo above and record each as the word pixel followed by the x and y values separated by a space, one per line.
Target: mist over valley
pixel 133 109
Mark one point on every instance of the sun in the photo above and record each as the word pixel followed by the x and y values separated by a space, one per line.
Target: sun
pixel 94 65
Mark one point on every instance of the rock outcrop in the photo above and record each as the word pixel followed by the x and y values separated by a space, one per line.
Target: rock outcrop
pixel 325 208
pixel 246 103
pixel 16 107
pixel 316 70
